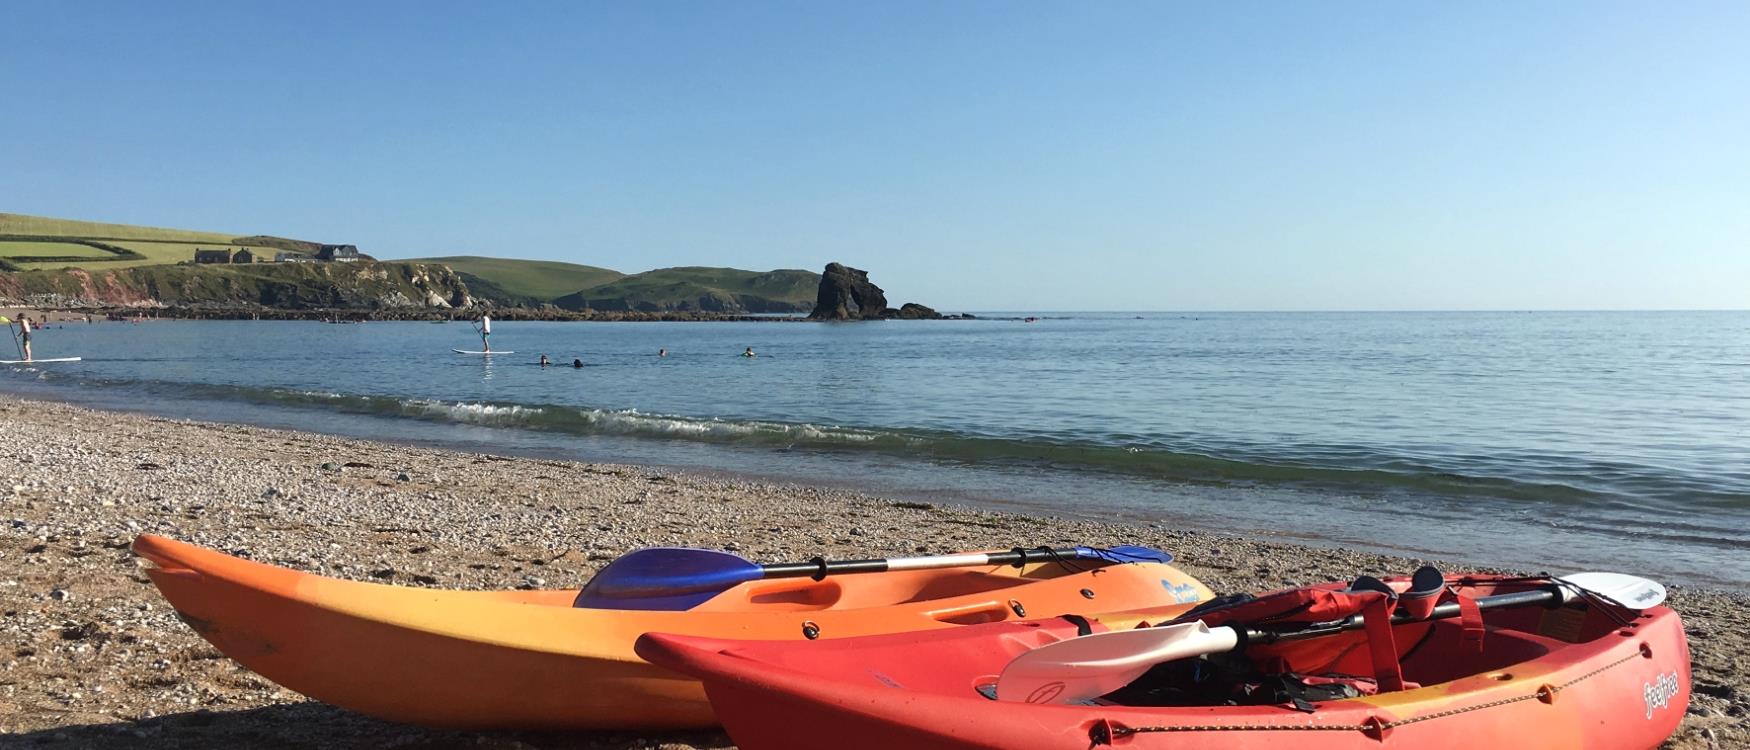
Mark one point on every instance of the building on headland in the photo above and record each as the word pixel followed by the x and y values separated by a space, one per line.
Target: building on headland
pixel 290 257
pixel 212 256
pixel 339 254
pixel 243 256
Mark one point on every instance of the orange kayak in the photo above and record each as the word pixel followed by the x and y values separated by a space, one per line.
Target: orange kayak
pixel 532 660
pixel 1579 676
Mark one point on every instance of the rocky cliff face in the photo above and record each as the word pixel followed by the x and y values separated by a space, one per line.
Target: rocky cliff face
pixel 847 294
pixel 284 286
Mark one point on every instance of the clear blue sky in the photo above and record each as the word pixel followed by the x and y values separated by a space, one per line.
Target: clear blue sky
pixel 971 155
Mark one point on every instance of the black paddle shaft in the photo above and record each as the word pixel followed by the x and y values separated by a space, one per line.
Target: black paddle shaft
pixel 819 568
pixel 1548 596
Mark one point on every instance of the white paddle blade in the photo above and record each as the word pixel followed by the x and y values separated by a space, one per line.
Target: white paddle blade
pixel 1093 665
pixel 1633 592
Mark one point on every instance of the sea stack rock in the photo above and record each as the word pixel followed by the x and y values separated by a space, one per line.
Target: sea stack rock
pixel 846 294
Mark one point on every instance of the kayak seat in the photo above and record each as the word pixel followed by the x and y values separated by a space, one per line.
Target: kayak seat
pixel 960 584
pixel 1443 658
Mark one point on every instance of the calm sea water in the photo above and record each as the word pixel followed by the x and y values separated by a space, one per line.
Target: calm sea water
pixel 1554 441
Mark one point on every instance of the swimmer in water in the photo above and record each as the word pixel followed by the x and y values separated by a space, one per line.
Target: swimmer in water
pixel 662 352
pixel 748 353
pixel 544 361
pixel 577 363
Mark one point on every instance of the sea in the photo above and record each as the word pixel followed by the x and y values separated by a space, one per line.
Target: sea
pixel 1547 441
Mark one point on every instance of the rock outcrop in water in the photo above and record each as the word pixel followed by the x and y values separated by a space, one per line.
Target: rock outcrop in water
pixel 915 311
pixel 847 294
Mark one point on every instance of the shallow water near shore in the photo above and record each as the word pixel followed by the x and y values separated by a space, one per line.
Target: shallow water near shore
pixel 1531 440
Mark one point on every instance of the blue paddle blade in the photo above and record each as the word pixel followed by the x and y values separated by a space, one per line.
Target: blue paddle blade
pixel 1126 553
pixel 665 578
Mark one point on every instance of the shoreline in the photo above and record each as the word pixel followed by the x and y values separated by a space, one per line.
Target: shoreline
pixel 99 313
pixel 96 658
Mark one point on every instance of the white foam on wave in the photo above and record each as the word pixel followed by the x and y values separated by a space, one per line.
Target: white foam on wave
pixel 631 422
pixel 472 413
pixel 329 395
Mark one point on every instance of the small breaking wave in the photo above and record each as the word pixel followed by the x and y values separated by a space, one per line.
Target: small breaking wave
pixel 1570 481
pixel 1350 468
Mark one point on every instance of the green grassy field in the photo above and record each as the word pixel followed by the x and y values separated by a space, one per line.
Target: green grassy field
pixel 36 249
pixel 573 286
pixel 535 279
pixel 157 246
pixel 697 287
pixel 157 254
pixel 43 226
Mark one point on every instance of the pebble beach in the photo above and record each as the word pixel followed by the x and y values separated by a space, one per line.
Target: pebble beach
pixel 93 657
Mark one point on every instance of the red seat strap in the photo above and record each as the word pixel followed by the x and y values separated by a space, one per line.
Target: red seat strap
pixel 1384 647
pixel 1470 618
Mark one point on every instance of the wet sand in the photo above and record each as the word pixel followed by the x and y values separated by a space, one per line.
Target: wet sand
pixel 93 657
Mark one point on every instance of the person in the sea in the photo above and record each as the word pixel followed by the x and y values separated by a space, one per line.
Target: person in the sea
pixel 544 361
pixel 748 353
pixel 24 338
pixel 578 363
pixel 662 352
pixel 485 329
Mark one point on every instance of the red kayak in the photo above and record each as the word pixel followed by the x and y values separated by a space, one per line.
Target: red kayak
pixel 1579 671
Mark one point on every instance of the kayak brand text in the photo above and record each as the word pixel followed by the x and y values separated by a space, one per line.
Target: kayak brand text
pixel 1659 692
pixel 1183 593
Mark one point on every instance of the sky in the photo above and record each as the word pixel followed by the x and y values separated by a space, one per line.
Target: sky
pixel 969 155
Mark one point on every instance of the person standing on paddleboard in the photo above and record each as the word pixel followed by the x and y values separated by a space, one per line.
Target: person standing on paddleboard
pixel 485 329
pixel 24 338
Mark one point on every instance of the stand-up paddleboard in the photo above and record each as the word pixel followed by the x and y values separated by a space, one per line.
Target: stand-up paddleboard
pixel 484 354
pixel 39 361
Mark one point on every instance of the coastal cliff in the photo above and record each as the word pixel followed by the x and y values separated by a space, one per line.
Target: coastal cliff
pixel 285 286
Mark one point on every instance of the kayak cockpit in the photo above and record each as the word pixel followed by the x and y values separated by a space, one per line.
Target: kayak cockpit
pixel 1517 643
pixel 893 587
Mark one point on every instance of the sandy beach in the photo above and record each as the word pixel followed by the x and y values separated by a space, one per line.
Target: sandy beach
pixel 95 658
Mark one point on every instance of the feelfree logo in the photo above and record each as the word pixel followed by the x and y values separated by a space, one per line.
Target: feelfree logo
pixel 1659 692
pixel 1183 593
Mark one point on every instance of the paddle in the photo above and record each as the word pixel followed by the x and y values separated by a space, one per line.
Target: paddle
pixel 676 578
pixel 1088 667
pixel 15 340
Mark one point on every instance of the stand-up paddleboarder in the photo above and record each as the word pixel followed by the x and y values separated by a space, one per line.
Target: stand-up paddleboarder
pixel 485 329
pixel 24 336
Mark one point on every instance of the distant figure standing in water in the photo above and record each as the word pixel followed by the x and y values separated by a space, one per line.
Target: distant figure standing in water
pixel 748 353
pixel 24 338
pixel 485 329
pixel 544 361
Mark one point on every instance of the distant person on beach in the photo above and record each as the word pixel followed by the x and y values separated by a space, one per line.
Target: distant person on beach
pixel 748 353
pixel 24 338
pixel 485 332
pixel 577 363
pixel 544 361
